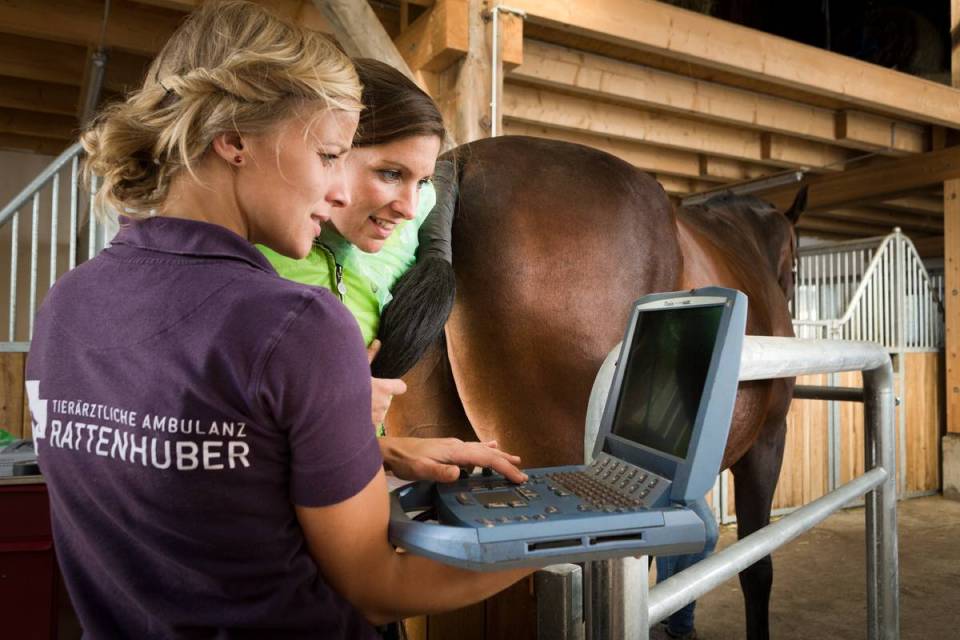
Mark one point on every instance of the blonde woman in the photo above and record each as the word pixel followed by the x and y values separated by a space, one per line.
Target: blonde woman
pixel 203 424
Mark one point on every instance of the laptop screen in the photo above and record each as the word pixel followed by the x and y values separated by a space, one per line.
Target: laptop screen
pixel 664 377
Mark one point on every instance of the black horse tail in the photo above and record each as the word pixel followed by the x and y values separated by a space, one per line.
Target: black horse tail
pixel 414 319
pixel 423 296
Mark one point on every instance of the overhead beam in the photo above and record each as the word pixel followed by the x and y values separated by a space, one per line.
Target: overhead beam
pixel 549 65
pixel 888 219
pixel 814 223
pixel 130 27
pixel 45 97
pixel 675 186
pixel 790 152
pixel 657 160
pixel 540 106
pixel 916 205
pixel 877 133
pixel 31 144
pixel 716 44
pixel 38 125
pixel 361 34
pixel 438 38
pixel 727 170
pixel 41 60
pixel 890 179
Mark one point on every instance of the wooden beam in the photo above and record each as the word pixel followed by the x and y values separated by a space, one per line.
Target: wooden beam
pixel 39 125
pixel 790 152
pixel 877 133
pixel 548 65
pixel 815 223
pixel 511 40
pixel 888 180
pixel 302 12
pixel 41 60
pixel 668 162
pixel 682 186
pixel 45 97
pixel 360 33
pixel 31 144
pixel 537 106
pixel 915 204
pixel 888 219
pixel 543 107
pixel 436 39
pixel 130 27
pixel 951 284
pixel 715 44
pixel 725 169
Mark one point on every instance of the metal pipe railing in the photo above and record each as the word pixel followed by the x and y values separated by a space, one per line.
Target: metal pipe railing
pixel 37 183
pixel 765 358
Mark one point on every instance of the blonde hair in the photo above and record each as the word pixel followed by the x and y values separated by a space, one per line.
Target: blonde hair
pixel 231 66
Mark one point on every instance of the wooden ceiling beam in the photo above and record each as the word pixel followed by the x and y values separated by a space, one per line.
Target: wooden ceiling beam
pixel 675 186
pixel 549 65
pixel 45 97
pixel 715 44
pixel 816 223
pixel 438 38
pixel 130 27
pixel 40 60
pixel 38 125
pixel 887 218
pixel 871 132
pixel 889 180
pixel 915 204
pixel 646 158
pixel 32 144
pixel 727 170
pixel 556 110
pixel 791 152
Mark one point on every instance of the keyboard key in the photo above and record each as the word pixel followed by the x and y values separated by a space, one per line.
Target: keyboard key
pixel 496 505
pixel 465 498
pixel 551 509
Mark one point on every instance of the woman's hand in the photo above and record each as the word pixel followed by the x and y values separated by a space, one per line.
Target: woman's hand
pixel 440 459
pixel 382 389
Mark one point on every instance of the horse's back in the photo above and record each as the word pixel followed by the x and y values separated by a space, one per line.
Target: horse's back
pixel 552 243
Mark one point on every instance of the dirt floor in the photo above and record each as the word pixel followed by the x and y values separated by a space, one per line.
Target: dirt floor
pixel 819 578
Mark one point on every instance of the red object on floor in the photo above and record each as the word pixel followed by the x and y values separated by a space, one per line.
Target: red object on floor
pixel 29 576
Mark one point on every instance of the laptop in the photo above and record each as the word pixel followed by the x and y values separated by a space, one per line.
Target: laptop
pixel 661 440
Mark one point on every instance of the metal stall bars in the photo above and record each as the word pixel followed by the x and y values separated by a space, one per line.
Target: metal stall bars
pixel 54 211
pixel 625 608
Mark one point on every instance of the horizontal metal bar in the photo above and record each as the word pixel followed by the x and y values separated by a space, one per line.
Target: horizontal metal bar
pixel 683 588
pixel 765 357
pixel 816 392
pixel 14 347
pixel 37 183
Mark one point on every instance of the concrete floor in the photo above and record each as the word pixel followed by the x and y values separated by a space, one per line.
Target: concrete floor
pixel 819 579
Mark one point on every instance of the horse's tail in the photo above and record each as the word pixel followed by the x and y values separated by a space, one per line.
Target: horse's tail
pixel 423 296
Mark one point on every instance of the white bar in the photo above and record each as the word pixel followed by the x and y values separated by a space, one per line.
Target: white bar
pixel 14 255
pixel 74 189
pixel 54 219
pixel 34 250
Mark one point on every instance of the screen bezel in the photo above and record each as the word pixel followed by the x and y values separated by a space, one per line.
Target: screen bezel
pixel 660 462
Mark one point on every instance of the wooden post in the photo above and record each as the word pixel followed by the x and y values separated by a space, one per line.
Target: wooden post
pixel 951 266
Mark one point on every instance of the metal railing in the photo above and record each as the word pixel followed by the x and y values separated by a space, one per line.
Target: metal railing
pixel 55 204
pixel 618 602
pixel 876 290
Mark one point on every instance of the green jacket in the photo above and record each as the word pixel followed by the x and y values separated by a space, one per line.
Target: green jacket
pixel 361 280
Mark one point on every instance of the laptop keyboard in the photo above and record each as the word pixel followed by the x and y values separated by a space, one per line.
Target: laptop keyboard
pixel 608 484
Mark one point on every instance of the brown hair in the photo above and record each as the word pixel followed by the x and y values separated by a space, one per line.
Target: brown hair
pixel 231 66
pixel 393 106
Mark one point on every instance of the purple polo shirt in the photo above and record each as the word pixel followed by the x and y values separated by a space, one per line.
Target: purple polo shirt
pixel 185 397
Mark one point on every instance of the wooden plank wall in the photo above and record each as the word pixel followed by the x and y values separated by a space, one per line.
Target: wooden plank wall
pixel 14 414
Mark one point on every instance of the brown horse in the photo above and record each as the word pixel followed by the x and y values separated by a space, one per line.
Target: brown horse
pixel 552 243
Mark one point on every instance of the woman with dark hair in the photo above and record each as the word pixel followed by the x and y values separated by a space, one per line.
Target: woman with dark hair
pixel 387 256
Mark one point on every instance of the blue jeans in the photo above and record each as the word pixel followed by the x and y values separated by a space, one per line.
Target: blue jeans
pixel 681 622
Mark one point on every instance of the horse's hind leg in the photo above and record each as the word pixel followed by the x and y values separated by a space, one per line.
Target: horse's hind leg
pixel 755 479
pixel 431 407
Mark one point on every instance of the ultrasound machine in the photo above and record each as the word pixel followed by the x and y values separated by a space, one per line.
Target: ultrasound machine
pixel 662 436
